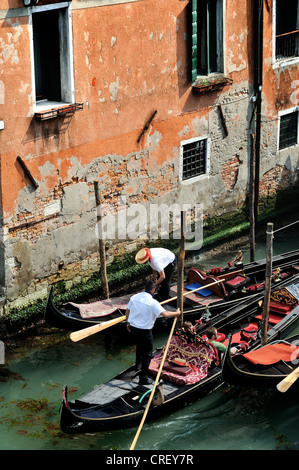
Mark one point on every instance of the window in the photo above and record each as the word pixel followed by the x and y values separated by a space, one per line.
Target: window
pixel 194 158
pixel 52 53
pixel 288 129
pixel 207 37
pixel 287 29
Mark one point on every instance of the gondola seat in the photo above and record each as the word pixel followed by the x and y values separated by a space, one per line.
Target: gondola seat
pixel 277 307
pixel 272 319
pixel 236 282
pixel 195 275
pixel 199 357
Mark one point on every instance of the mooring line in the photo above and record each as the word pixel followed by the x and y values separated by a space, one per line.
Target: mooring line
pixel 286 226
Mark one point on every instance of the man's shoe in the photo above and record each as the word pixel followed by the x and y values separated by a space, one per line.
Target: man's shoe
pixel 144 381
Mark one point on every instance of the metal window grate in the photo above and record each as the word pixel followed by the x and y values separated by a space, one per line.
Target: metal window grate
pixel 288 130
pixel 60 111
pixel 194 159
pixel 287 45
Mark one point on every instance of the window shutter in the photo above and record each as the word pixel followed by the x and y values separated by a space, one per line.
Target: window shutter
pixel 208 37
pixel 194 41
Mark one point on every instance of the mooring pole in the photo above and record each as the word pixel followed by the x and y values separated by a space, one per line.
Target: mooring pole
pixel 103 269
pixel 265 316
pixel 181 259
pixel 252 198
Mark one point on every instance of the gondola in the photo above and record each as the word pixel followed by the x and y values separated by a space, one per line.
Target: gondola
pixel 121 401
pixel 263 367
pixel 72 316
pixel 237 282
pixel 229 285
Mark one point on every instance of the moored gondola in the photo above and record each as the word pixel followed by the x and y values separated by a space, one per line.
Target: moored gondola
pixel 264 366
pixel 72 316
pixel 191 369
pixel 225 288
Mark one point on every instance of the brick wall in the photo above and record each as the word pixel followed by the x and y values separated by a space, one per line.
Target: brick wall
pixel 276 179
pixel 229 172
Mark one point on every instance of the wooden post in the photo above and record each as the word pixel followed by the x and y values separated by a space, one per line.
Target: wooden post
pixel 181 259
pixel 27 173
pixel 103 268
pixel 252 198
pixel 267 283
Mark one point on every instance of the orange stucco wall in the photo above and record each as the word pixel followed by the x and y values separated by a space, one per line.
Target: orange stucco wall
pixel 129 59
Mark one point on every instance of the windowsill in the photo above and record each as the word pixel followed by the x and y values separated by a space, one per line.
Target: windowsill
pixel 51 109
pixel 285 62
pixel 289 148
pixel 44 105
pixel 208 83
pixel 195 179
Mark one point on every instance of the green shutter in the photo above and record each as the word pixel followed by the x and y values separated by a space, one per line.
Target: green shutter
pixel 208 37
pixel 194 40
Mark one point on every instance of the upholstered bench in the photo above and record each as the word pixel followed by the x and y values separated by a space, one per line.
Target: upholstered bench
pixel 198 356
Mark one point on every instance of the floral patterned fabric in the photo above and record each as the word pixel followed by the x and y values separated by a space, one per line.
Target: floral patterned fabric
pixel 199 356
pixel 102 308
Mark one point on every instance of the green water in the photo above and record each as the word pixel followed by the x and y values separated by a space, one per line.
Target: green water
pixel 226 419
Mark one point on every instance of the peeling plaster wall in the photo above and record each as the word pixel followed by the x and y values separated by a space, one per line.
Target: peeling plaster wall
pixel 280 92
pixel 127 63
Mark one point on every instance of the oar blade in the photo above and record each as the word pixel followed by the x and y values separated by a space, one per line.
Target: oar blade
pixel 81 334
pixel 288 381
pixel 91 330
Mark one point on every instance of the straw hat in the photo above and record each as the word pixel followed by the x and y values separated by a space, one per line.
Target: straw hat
pixel 143 256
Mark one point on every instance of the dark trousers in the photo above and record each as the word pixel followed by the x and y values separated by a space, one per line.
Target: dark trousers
pixel 164 287
pixel 144 349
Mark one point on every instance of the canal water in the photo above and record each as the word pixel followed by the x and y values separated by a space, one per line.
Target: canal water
pixel 227 419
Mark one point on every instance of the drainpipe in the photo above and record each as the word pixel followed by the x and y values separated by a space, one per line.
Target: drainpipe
pixel 258 83
pixel 255 133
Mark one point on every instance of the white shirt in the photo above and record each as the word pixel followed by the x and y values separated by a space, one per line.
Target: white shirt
pixel 161 257
pixel 144 310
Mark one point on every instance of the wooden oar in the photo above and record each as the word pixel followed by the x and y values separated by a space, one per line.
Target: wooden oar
pixel 154 387
pixel 91 330
pixel 288 381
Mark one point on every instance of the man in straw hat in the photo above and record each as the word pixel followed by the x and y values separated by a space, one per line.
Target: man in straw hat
pixel 163 262
pixel 142 312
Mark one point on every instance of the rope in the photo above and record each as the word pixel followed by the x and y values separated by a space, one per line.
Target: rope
pixel 286 226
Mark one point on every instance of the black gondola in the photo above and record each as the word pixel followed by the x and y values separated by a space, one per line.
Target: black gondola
pixel 121 401
pixel 240 282
pixel 264 366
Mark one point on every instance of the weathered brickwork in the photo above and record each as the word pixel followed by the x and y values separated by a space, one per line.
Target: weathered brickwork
pixel 229 172
pixel 274 180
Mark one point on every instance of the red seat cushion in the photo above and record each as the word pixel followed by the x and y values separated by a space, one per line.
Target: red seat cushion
pixel 176 369
pixel 236 281
pixel 277 307
pixel 274 319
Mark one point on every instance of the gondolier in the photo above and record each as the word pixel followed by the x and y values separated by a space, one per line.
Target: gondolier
pixel 141 314
pixel 163 262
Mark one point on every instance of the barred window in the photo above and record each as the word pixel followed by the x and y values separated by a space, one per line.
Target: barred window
pixel 194 158
pixel 286 29
pixel 288 132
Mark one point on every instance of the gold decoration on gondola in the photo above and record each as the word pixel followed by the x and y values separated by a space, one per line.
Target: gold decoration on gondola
pixel 285 297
